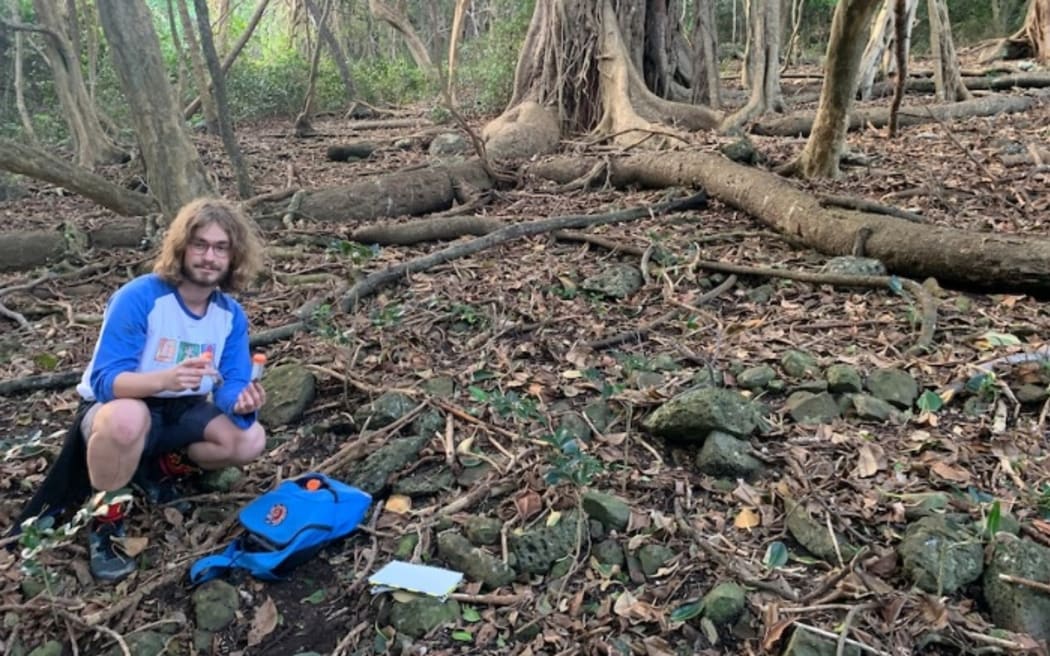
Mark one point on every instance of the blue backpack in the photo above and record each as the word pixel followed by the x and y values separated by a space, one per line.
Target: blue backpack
pixel 287 526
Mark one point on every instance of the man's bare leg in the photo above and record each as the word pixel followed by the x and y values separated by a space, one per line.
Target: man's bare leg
pixel 226 445
pixel 115 442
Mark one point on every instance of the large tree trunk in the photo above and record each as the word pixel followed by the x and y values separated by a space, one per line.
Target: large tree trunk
pixel 575 60
pixel 763 64
pixel 987 261
pixel 173 168
pixel 200 73
pixel 946 75
pixel 1036 30
pixel 35 163
pixel 707 82
pixel 218 84
pixel 93 145
pixel 403 26
pixel 877 55
pixel 325 33
pixel 849 33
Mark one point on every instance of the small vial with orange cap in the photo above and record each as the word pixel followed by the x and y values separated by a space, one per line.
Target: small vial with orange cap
pixel 258 364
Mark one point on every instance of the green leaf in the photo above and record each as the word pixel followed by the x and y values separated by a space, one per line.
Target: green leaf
pixel 463 636
pixel 1001 339
pixel 995 517
pixel 930 401
pixel 478 394
pixel 315 598
pixel 470 614
pixel 687 611
pixel 776 555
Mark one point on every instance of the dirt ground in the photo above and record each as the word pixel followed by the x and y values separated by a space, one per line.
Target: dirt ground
pixel 512 320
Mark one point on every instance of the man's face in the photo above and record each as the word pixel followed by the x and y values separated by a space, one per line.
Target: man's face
pixel 207 259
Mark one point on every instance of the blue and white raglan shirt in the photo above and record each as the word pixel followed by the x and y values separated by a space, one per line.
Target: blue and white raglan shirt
pixel 147 327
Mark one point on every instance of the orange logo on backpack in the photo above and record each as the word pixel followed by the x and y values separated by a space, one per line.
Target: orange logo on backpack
pixel 276 515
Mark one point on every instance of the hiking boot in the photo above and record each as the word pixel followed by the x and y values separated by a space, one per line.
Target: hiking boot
pixel 107 562
pixel 162 479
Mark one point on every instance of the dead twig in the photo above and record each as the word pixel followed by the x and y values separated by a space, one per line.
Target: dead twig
pixel 1028 583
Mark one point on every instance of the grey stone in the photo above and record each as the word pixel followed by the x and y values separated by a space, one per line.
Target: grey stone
pixel 653 556
pixel 941 556
pixel 220 480
pixel 812 409
pixel 142 643
pixel 813 535
pixel 443 387
pixel 617 281
pixel 760 295
pixel 1018 607
pixel 806 643
pixel 430 480
pixel 647 379
pixel 482 530
pixel 756 377
pixel 215 605
pixel 799 364
pixel 49 648
pixel 419 616
pixel 470 475
pixel 406 546
pixel 599 414
pixel 726 456
pixel 574 426
pixel 1031 393
pixel 430 422
pixel 842 378
pixel 203 641
pixel 975 407
pixel 536 550
pixel 812 386
pixel 707 377
pixel 372 473
pixel 609 552
pixel 924 504
pixel 694 413
pixel 664 362
pixel 448 144
pixel 385 410
pixel 289 390
pixel 404 143
pixel 477 564
pixel 851 265
pixel 741 151
pixel 724 603
pixel 612 511
pixel 869 408
pixel 893 385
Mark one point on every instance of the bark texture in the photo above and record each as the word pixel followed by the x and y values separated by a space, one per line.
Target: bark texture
pixel 36 163
pixel 763 64
pixel 946 76
pixel 877 54
pixel 954 257
pixel 93 145
pixel 173 168
pixel 399 21
pixel 849 33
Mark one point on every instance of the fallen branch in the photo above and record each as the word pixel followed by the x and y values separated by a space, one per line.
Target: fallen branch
pixel 380 279
pixel 863 205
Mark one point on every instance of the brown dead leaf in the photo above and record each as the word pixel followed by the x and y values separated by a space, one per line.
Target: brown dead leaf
pixel 528 503
pixel 399 504
pixel 264 622
pixel 631 608
pixel 747 519
pixel 868 460
pixel 131 546
pixel 950 472
pixel 773 634
pixel 173 516
pixel 657 646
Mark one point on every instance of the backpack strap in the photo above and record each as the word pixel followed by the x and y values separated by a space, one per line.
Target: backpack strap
pixel 260 564
pixel 210 567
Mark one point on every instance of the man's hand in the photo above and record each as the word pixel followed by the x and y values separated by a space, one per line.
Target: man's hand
pixel 250 399
pixel 188 374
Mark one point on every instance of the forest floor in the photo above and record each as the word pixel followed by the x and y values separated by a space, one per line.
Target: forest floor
pixel 511 322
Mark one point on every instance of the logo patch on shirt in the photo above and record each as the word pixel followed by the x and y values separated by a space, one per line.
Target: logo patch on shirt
pixel 165 350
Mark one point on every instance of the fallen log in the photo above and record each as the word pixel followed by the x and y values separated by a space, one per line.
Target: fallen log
pixel 799 124
pixel 985 261
pixel 984 83
pixel 26 249
pixel 413 192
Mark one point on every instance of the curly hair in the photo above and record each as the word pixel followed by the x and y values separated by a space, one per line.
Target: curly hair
pixel 246 249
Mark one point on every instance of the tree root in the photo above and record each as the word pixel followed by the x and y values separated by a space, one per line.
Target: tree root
pixel 380 279
pixel 860 204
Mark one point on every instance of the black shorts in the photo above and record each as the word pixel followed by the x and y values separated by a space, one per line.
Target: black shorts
pixel 174 423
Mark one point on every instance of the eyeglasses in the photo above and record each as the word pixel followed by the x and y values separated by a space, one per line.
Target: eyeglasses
pixel 200 247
